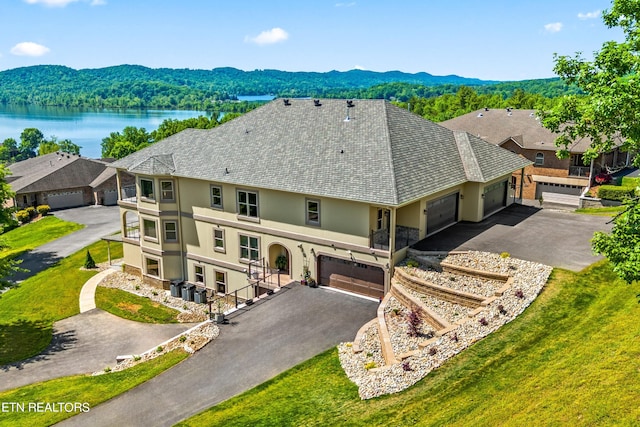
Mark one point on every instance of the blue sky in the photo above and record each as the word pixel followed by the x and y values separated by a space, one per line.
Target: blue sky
pixel 487 39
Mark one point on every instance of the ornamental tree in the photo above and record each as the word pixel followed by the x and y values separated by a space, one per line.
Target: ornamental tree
pixel 608 114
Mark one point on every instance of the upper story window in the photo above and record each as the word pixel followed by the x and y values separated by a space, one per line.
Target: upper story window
pixel 146 188
pixel 313 212
pixel 249 248
pixel 149 229
pixel 216 196
pixel 166 191
pixel 248 203
pixel 539 159
pixel 170 231
pixel 218 240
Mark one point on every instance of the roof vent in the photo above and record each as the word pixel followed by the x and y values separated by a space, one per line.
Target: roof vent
pixel 286 102
pixel 508 109
pixel 509 113
pixel 316 102
pixel 350 103
pixel 531 114
pixel 486 108
pixel 479 115
pixel 226 171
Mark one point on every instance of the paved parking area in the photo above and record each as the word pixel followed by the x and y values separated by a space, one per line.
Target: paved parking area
pixel 259 343
pixel 558 238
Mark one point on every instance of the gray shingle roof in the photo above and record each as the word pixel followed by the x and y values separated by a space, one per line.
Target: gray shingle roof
pixel 382 154
pixel 53 171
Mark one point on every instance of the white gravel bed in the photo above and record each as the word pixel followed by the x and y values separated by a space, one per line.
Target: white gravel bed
pixel 529 279
pixel 397 324
pixel 474 285
pixel 449 311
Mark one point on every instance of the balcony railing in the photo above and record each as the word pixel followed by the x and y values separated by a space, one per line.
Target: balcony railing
pixel 405 236
pixel 128 194
pixel 579 171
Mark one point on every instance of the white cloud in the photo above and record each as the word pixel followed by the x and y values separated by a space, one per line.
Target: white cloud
pixel 358 67
pixel 589 15
pixel 554 27
pixel 51 3
pixel 346 4
pixel 98 2
pixel 274 35
pixel 29 49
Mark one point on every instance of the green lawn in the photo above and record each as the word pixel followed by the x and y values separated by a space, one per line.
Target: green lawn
pixel 34 234
pixel 133 307
pixel 572 358
pixel 604 211
pixel 81 388
pixel 27 312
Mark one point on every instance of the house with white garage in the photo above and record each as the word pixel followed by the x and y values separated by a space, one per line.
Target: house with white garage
pixel 62 180
pixel 332 189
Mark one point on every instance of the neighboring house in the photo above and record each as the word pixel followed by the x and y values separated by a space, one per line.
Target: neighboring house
pixel 62 180
pixel 521 132
pixel 338 188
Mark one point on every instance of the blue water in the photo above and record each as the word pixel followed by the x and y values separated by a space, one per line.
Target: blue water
pixel 85 128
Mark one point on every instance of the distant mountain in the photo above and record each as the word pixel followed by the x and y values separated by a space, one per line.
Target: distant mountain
pixel 138 86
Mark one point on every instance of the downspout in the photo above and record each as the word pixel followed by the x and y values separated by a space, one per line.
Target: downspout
pixel 521 184
pixel 182 260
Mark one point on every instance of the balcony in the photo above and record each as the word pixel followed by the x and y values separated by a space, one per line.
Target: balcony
pixel 405 236
pixel 582 171
pixel 128 194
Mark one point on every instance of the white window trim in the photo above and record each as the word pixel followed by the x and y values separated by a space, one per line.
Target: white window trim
pixel 248 217
pixel 164 231
pixel 249 237
pixel 306 208
pixel 541 163
pixel 144 230
pixel 224 275
pixel 173 191
pixel 214 206
pixel 151 197
pixel 146 270
pixel 195 274
pixel 223 248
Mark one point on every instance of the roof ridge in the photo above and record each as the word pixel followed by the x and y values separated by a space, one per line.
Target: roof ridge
pixel 390 152
pixel 468 156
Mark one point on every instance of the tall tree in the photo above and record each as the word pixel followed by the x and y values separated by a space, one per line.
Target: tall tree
pixel 30 139
pixel 608 114
pixel 8 265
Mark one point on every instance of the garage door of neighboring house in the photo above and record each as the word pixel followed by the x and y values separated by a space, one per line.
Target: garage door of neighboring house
pixel 68 199
pixel 442 213
pixel 110 197
pixel 495 197
pixel 546 187
pixel 351 276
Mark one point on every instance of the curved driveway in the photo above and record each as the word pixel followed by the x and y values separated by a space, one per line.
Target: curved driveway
pixel 270 337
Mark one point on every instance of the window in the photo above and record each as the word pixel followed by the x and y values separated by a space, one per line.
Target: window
pixel 539 159
pixel 248 203
pixel 313 212
pixel 221 282
pixel 149 227
pixel 382 219
pixel 216 197
pixel 249 248
pixel 152 266
pixel 218 240
pixel 146 188
pixel 170 231
pixel 199 273
pixel 166 191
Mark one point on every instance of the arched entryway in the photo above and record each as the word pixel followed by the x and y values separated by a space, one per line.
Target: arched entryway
pixel 280 258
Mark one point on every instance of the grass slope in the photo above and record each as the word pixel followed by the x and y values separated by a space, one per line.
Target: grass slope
pixel 81 388
pixel 133 307
pixel 572 358
pixel 35 234
pixel 27 312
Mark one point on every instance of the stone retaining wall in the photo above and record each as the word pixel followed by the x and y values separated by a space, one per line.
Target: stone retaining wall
pixel 452 295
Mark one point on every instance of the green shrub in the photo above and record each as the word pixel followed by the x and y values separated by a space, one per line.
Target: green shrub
pixel 505 255
pixel 613 192
pixel 89 262
pixel 370 365
pixel 43 209
pixel 629 181
pixel 412 263
pixel 23 216
pixel 31 211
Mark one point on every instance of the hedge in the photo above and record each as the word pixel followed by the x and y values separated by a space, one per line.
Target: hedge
pixel 630 182
pixel 614 192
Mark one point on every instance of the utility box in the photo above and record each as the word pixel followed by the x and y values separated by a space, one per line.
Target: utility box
pixel 201 296
pixel 188 291
pixel 176 288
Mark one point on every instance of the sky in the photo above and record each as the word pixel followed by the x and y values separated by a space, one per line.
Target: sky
pixel 486 39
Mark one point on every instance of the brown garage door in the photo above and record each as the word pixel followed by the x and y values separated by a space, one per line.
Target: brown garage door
pixel 351 276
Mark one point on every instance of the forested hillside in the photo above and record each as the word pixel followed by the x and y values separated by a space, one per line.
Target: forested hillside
pixel 134 86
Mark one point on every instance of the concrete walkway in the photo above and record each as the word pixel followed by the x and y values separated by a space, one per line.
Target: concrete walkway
pixel 270 337
pixel 88 291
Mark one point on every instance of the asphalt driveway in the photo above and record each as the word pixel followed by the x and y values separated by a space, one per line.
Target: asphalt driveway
pixel 558 238
pixel 99 221
pixel 259 343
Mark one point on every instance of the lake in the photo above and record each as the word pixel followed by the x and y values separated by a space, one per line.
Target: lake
pixel 83 127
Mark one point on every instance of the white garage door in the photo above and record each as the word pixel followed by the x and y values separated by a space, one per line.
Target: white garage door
pixel 546 187
pixel 110 197
pixel 68 199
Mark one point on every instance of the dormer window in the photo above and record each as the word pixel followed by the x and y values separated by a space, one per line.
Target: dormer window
pixel 539 159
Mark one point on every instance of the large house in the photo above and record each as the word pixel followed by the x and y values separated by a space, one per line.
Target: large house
pixel 335 188
pixel 62 180
pixel 521 132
